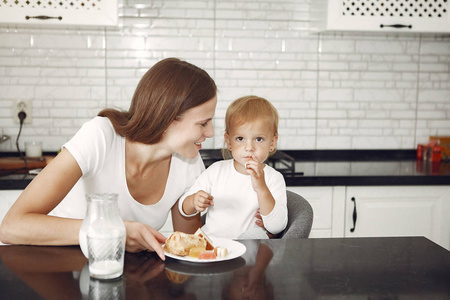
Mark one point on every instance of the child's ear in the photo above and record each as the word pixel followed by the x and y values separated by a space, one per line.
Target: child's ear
pixel 273 145
pixel 275 140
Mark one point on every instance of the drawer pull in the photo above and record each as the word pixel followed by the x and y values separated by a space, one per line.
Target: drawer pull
pixel 43 17
pixel 354 215
pixel 396 26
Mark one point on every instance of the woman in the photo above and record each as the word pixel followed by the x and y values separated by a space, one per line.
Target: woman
pixel 149 155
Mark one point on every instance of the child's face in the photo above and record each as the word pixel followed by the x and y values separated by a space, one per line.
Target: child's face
pixel 251 140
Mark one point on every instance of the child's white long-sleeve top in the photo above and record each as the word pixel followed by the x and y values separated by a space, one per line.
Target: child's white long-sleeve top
pixel 235 201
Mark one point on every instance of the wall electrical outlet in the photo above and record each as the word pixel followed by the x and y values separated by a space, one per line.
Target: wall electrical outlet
pixel 22 105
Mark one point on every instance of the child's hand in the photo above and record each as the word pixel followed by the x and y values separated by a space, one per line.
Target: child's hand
pixel 202 200
pixel 256 171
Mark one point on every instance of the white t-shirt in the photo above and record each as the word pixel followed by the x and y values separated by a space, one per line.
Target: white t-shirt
pixel 100 153
pixel 235 201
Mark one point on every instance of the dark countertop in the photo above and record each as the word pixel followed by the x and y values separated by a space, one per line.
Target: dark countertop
pixel 328 168
pixel 367 173
pixel 334 268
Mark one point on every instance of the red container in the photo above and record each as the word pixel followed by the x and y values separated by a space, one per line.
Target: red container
pixel 436 154
pixel 419 151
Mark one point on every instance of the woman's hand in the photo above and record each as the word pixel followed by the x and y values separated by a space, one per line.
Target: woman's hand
pixel 142 237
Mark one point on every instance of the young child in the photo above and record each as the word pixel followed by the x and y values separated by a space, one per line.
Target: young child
pixel 234 189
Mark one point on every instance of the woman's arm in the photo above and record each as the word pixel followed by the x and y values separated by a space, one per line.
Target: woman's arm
pixel 27 221
pixel 184 224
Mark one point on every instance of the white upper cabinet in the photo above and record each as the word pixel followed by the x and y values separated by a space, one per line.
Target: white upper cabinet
pixel 59 12
pixel 381 15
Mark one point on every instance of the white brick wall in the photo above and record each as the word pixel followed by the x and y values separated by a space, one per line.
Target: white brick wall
pixel 333 90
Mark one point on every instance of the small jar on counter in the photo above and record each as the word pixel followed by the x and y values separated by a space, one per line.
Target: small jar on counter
pixel 436 154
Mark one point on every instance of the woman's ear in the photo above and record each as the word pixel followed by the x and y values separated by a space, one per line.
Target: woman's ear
pixel 226 136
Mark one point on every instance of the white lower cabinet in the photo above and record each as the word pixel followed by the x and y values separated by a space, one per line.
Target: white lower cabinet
pixel 320 199
pixel 381 211
pixel 7 199
pixel 399 211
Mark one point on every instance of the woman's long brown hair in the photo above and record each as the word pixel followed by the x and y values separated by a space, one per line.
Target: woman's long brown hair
pixel 165 92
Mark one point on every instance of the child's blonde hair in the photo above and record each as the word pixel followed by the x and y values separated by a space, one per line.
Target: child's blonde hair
pixel 249 109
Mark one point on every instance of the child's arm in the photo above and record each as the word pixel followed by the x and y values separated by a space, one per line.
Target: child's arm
pixel 273 213
pixel 199 190
pixel 197 202
pixel 256 171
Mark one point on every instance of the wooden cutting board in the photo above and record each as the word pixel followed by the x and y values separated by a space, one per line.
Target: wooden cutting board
pixel 13 163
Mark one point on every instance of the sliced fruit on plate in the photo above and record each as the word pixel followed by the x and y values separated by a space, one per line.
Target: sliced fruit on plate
pixel 195 252
pixel 221 252
pixel 207 255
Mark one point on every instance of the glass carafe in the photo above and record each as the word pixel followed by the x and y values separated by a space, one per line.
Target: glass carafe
pixel 102 236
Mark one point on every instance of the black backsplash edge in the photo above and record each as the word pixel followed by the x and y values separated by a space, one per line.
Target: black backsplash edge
pixel 311 155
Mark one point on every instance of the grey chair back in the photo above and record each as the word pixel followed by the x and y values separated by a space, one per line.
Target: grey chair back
pixel 300 217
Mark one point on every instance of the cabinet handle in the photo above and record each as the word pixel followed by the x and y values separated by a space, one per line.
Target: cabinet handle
pixel 396 26
pixel 354 215
pixel 43 17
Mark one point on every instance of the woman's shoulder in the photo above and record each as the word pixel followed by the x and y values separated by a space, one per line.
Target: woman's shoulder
pixel 99 122
pixel 96 134
pixel 100 126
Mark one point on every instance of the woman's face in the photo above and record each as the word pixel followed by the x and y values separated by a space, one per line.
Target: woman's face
pixel 186 135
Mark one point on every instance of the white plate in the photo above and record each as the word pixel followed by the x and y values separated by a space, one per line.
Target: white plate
pixel 183 268
pixel 235 249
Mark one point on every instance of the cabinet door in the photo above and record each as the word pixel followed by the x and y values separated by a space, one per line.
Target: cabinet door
pixel 36 12
pixel 398 15
pixel 399 211
pixel 320 199
pixel 7 199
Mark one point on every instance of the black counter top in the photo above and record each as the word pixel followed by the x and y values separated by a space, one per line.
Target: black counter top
pixel 353 173
pixel 15 181
pixel 331 268
pixel 329 168
pixel 365 167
